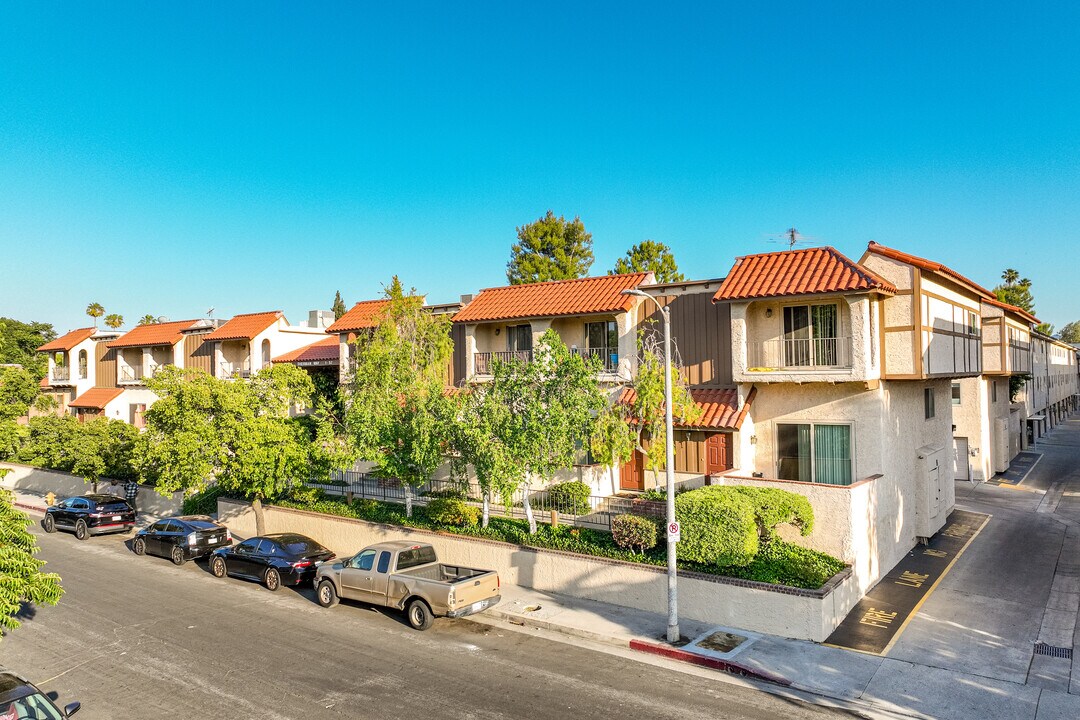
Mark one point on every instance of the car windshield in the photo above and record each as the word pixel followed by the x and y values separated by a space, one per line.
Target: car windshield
pixel 35 706
pixel 299 545
pixel 420 555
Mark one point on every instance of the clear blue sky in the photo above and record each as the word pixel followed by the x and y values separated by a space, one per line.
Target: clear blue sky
pixel 165 157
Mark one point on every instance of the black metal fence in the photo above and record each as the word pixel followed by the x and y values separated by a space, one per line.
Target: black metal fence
pixel 595 511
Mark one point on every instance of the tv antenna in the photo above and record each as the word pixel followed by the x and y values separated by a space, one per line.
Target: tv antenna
pixel 793 238
pixel 210 313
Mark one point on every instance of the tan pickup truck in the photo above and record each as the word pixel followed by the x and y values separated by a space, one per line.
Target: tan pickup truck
pixel 408 576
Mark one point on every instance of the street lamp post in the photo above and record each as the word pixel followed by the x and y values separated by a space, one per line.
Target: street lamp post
pixel 669 470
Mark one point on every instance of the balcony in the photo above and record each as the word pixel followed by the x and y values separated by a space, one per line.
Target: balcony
pixel 60 374
pixel 128 375
pixel 609 357
pixel 235 369
pixel 800 354
pixel 484 362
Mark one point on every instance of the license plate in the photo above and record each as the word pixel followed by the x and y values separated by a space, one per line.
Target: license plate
pixel 212 540
pixel 115 517
pixel 318 563
pixel 478 606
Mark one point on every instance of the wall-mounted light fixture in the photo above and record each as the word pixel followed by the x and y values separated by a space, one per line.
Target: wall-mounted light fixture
pixel 768 312
pixel 497 331
pixel 753 439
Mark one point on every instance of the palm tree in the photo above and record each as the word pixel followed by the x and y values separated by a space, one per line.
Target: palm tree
pixel 114 320
pixel 95 310
pixel 1010 277
pixel 148 320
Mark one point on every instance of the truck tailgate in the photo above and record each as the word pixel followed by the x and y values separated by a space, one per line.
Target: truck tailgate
pixel 476 589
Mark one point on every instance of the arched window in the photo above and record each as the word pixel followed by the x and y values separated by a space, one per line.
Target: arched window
pixel 82 364
pixel 265 353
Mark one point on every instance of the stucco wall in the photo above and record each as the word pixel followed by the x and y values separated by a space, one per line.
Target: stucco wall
pixel 40 481
pixel 627 584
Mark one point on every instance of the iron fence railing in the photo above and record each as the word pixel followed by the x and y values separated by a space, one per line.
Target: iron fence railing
pixel 130 374
pixel 240 369
pixel 801 353
pixel 595 512
pixel 609 357
pixel 485 361
pixel 61 373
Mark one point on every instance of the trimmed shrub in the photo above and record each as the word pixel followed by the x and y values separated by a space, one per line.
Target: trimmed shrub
pixel 303 494
pixel 718 527
pixel 784 563
pixel 633 532
pixel 570 497
pixel 773 507
pixel 451 511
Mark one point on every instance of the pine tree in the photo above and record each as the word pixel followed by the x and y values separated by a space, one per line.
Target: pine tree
pixel 550 249
pixel 339 306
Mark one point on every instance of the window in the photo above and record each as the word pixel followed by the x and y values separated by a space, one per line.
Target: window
pixel 266 353
pixel 993 391
pixel 956 393
pixel 384 561
pixel 814 453
pixel 810 335
pixel 973 324
pixel 419 555
pixel 602 341
pixel 928 402
pixel 519 338
pixel 82 364
pixel 364 561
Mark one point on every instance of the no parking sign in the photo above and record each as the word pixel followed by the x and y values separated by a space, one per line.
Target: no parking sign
pixel 673 532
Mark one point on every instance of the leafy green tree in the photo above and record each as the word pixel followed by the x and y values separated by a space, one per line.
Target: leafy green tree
pixel 481 416
pixel 95 310
pixel 339 306
pixel 1045 328
pixel 18 390
pixel 398 413
pixel 1015 290
pixel 148 320
pixel 1070 333
pixel 19 342
pixel 550 249
pixel 114 320
pixel 238 434
pixel 650 256
pixel 95 449
pixel 21 577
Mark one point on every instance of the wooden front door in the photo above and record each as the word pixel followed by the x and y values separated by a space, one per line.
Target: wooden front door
pixel 717 453
pixel 631 474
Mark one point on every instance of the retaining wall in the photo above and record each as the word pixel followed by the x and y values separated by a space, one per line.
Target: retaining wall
pixel 40 481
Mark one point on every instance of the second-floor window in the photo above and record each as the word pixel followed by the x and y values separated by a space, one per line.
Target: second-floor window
pixel 956 393
pixel 82 364
pixel 810 335
pixel 602 340
pixel 519 338
pixel 928 402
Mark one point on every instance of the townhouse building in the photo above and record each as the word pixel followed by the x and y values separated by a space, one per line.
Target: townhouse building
pixel 81 375
pixel 361 318
pixel 248 342
pixel 1051 392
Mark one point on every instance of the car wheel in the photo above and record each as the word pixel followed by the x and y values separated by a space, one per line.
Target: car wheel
pixel 49 523
pixel 177 555
pixel 217 566
pixel 138 545
pixel 327 594
pixel 272 580
pixel 81 530
pixel 419 615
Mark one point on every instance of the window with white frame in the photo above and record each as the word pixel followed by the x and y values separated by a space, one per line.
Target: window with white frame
pixel 814 452
pixel 811 334
pixel 956 393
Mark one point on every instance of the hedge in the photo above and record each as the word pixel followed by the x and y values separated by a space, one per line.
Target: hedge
pixel 633 531
pixel 718 527
pixel 571 497
pixel 773 507
pixel 452 511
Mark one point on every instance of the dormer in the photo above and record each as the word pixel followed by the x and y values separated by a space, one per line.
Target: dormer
pixel 803 316
pixel 71 359
pixel 1006 338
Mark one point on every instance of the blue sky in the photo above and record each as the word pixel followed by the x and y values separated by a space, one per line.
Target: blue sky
pixel 167 157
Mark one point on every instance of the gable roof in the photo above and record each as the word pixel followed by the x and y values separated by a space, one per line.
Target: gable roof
pixel 245 327
pixel 68 340
pixel 720 407
pixel 797 272
pixel 1012 308
pixel 95 398
pixel 929 265
pixel 320 352
pixel 584 296
pixel 363 315
pixel 168 333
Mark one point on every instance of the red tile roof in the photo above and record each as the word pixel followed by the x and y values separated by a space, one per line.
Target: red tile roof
pixel 245 327
pixel 44 382
pixel 154 334
pixel 584 296
pixel 95 398
pixel 797 272
pixel 1012 308
pixel 930 265
pixel 720 407
pixel 362 316
pixel 321 351
pixel 68 341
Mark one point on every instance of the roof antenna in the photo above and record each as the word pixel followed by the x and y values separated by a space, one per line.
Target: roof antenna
pixel 793 238
pixel 210 313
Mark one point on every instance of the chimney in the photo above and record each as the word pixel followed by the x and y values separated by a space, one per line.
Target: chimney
pixel 466 299
pixel 320 318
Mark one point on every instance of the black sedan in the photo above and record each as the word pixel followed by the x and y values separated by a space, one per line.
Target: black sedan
pixel 90 515
pixel 276 560
pixel 20 699
pixel 181 538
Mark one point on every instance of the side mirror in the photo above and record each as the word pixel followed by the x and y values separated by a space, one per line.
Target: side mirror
pixel 71 708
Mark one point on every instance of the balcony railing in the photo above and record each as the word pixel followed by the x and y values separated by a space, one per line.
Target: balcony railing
pixel 609 357
pixel 129 374
pixel 800 354
pixel 485 361
pixel 235 370
pixel 61 373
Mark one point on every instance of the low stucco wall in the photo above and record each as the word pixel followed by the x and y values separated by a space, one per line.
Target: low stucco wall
pixel 39 480
pixel 788 612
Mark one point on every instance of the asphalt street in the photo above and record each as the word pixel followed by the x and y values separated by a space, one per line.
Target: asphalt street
pixel 136 637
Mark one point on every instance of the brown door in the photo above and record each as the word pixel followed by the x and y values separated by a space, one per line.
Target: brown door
pixel 631 475
pixel 717 453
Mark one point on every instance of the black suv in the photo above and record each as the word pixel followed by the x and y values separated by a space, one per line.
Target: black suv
pixel 90 515
pixel 20 699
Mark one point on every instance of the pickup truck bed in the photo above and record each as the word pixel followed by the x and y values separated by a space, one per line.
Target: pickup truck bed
pixel 443 573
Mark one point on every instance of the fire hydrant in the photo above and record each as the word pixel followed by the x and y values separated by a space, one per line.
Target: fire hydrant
pixel 50 498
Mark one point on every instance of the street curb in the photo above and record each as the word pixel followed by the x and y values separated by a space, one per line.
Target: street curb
pixel 674 653
pixel 32 508
pixel 520 621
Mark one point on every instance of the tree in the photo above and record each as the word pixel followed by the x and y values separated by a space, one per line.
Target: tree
pixel 550 249
pixel 19 342
pixel 114 320
pixel 93 450
pixel 21 577
pixel 398 414
pixel 148 320
pixel 18 390
pixel 1045 328
pixel 1015 291
pixel 237 434
pixel 1070 333
pixel 650 256
pixel 339 306
pixel 95 310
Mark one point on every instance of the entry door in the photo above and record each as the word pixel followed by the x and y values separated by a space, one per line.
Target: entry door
pixel 632 475
pixel 717 453
pixel 960 455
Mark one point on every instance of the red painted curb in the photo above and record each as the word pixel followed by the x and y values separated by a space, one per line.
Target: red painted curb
pixel 674 653
pixel 24 506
